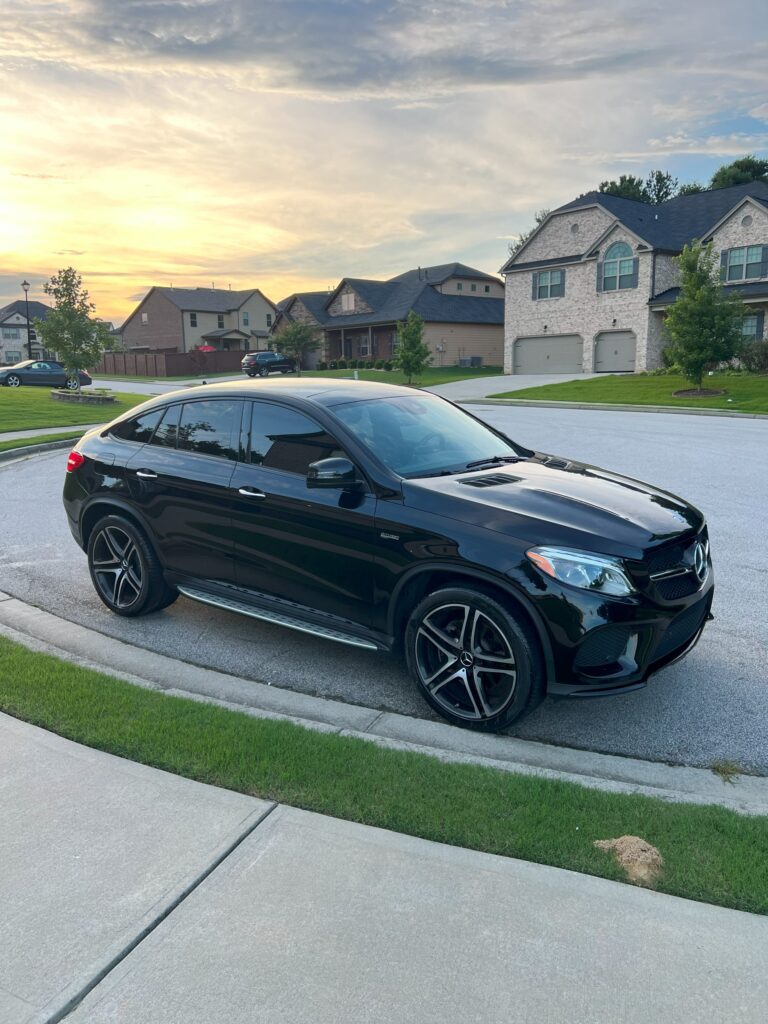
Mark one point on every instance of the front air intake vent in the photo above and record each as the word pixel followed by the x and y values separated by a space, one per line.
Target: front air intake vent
pixel 491 480
pixel 556 463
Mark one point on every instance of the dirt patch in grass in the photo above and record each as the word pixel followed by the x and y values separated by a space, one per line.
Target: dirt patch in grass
pixel 641 861
pixel 698 393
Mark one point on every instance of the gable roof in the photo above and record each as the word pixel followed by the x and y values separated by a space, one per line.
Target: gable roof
pixel 671 225
pixel 206 300
pixel 37 310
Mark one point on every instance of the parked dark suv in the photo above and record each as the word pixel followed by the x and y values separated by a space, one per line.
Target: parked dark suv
pixel 261 364
pixel 386 517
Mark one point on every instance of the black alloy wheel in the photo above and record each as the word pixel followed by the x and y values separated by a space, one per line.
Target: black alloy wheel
pixel 125 570
pixel 474 663
pixel 13 380
pixel 264 371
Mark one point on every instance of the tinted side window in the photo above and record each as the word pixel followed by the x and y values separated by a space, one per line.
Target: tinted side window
pixel 139 429
pixel 207 427
pixel 288 440
pixel 165 435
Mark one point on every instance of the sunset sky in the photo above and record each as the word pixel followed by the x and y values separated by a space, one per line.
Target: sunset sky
pixel 285 144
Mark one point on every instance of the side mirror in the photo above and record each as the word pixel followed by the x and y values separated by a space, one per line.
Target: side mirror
pixel 338 472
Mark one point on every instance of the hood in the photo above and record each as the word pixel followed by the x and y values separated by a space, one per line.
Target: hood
pixel 549 500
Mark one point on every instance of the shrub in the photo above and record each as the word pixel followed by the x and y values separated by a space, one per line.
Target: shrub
pixel 379 364
pixel 388 364
pixel 754 356
pixel 322 365
pixel 333 365
pixel 341 364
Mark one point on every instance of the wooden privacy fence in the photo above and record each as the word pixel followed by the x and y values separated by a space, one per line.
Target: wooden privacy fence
pixel 168 364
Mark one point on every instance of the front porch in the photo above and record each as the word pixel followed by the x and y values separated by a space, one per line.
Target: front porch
pixel 359 342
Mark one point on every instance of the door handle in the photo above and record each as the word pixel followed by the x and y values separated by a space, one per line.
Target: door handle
pixel 146 474
pixel 251 492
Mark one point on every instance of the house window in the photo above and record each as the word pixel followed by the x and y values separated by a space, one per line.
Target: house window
pixel 193 319
pixel 220 321
pixel 752 326
pixel 487 288
pixel 145 318
pixel 745 263
pixel 269 319
pixel 459 286
pixel 619 268
pixel 12 357
pixel 246 318
pixel 473 287
pixel 549 284
pixel 348 302
pixel 11 334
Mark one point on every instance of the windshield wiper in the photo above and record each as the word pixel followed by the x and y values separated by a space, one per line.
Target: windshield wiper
pixel 493 460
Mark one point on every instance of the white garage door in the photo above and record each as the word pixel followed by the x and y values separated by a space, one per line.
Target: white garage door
pixel 560 353
pixel 615 351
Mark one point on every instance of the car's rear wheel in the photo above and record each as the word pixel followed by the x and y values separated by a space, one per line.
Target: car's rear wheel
pixel 71 383
pixel 13 381
pixel 475 663
pixel 251 373
pixel 264 371
pixel 125 570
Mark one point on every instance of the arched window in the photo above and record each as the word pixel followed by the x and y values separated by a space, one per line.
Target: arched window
pixel 619 269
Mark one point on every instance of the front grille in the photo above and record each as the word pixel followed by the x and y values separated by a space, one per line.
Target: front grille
pixel 681 630
pixel 676 559
pixel 603 647
pixel 668 558
pixel 676 587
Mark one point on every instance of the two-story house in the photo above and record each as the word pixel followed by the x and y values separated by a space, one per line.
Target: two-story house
pixel 182 319
pixel 14 343
pixel 590 289
pixel 462 309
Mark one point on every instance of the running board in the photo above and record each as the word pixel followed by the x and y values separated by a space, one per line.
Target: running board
pixel 277 618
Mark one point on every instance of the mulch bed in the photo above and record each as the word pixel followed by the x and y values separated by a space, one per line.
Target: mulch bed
pixel 698 393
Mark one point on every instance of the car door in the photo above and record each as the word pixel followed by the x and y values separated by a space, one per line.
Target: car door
pixel 41 373
pixel 314 547
pixel 180 481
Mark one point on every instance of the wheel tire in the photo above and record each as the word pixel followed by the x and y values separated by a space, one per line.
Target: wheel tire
pixel 125 569
pixel 283 372
pixel 454 640
pixel 13 381
pixel 264 371
pixel 71 384
pixel 251 374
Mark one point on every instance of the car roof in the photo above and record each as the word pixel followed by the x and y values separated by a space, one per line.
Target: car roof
pixel 325 391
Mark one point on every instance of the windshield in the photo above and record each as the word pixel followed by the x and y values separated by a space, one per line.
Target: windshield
pixel 423 435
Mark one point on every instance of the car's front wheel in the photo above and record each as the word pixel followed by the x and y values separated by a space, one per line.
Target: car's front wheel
pixel 13 380
pixel 474 662
pixel 125 570
pixel 71 383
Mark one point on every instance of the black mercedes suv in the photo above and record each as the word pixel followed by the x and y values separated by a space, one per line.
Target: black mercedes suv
pixel 261 364
pixel 386 517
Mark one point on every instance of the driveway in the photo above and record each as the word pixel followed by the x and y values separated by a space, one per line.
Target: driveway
pixel 710 706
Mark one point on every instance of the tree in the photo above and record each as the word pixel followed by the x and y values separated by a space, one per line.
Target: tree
pixel 296 340
pixel 539 217
pixel 704 324
pixel 740 172
pixel 70 330
pixel 660 186
pixel 690 189
pixel 628 187
pixel 412 356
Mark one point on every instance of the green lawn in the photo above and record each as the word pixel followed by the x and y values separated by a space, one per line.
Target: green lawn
pixel 30 442
pixel 747 393
pixel 28 408
pixel 710 854
pixel 162 380
pixel 432 375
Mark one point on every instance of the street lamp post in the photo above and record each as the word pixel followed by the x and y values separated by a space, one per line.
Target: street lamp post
pixel 25 286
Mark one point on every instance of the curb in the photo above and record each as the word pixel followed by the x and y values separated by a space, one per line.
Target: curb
pixel 41 631
pixel 34 449
pixel 674 410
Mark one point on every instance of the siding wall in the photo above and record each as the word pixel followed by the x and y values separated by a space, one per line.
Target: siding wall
pixel 464 340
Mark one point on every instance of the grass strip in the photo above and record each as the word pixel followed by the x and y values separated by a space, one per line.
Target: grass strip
pixel 747 393
pixel 710 854
pixel 31 442
pixel 27 408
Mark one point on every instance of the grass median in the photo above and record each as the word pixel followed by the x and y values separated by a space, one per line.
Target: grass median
pixel 31 442
pixel 744 393
pixel 27 408
pixel 710 854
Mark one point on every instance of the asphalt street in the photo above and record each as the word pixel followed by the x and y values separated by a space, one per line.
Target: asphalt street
pixel 711 706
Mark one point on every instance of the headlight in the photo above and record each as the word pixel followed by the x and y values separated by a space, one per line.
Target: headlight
pixel 581 569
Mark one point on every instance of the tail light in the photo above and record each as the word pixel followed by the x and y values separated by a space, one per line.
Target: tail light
pixel 74 461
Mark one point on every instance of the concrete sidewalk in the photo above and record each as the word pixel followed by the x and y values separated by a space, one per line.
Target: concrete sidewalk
pixel 156 900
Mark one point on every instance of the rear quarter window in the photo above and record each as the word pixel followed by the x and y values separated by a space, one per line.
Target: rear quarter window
pixel 139 429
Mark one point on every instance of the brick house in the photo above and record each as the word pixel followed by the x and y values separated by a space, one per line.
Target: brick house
pixel 462 309
pixel 13 331
pixel 181 319
pixel 590 289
